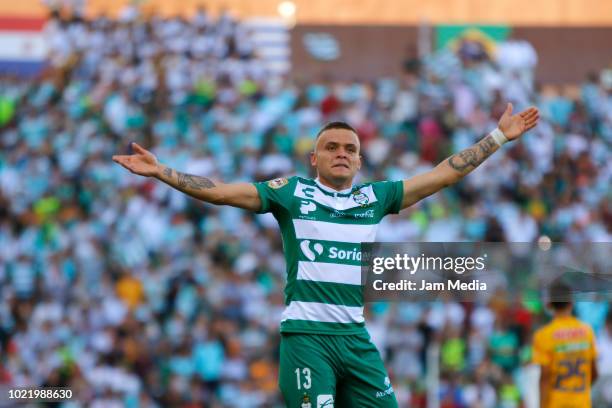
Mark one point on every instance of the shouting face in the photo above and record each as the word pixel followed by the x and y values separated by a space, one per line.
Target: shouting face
pixel 336 157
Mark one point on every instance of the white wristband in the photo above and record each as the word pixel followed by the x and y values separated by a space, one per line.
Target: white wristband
pixel 499 136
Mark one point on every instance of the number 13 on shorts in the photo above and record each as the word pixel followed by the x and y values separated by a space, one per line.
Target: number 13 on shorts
pixel 305 376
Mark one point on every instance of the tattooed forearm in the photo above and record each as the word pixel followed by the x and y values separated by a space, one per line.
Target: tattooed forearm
pixel 193 182
pixel 168 172
pixel 488 145
pixel 467 159
pixel 470 158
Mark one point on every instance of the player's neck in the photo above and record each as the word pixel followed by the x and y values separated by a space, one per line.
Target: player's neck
pixel 563 313
pixel 339 186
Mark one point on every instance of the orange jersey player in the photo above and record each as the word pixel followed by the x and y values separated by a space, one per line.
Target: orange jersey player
pixel 565 351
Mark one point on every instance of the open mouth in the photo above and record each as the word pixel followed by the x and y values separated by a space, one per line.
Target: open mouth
pixel 340 165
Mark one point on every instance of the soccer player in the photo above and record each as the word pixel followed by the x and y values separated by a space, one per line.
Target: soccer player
pixel 326 355
pixel 565 351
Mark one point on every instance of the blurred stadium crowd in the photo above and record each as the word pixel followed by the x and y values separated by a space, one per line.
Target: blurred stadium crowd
pixel 133 294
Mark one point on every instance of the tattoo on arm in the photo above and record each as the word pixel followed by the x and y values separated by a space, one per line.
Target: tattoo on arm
pixel 168 172
pixel 194 182
pixel 470 158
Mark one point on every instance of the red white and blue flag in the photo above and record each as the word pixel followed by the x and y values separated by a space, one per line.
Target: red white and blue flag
pixel 23 49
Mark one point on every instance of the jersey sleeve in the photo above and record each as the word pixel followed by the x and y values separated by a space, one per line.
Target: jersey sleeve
pixel 275 194
pixel 390 194
pixel 542 352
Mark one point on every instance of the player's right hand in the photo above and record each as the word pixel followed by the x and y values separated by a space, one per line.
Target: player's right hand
pixel 142 162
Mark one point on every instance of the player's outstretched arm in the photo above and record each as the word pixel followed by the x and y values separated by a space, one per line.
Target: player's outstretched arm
pixel 144 163
pixel 457 166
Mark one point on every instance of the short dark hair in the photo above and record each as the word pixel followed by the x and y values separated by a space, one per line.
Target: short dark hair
pixel 336 125
pixel 560 295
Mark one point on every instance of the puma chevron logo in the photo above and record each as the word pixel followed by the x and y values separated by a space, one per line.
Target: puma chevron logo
pixel 307 206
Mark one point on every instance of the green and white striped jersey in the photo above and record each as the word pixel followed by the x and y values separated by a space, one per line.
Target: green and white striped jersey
pixel 322 231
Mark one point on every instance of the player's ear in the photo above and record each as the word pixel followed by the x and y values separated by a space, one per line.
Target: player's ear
pixel 313 159
pixel 359 162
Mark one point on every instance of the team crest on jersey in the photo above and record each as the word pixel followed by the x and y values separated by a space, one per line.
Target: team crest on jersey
pixel 306 401
pixel 360 198
pixel 277 183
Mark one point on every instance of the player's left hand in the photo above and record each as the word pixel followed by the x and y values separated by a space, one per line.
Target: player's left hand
pixel 515 125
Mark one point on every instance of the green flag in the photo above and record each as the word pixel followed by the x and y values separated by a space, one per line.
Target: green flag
pixel 489 35
pixel 7 110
